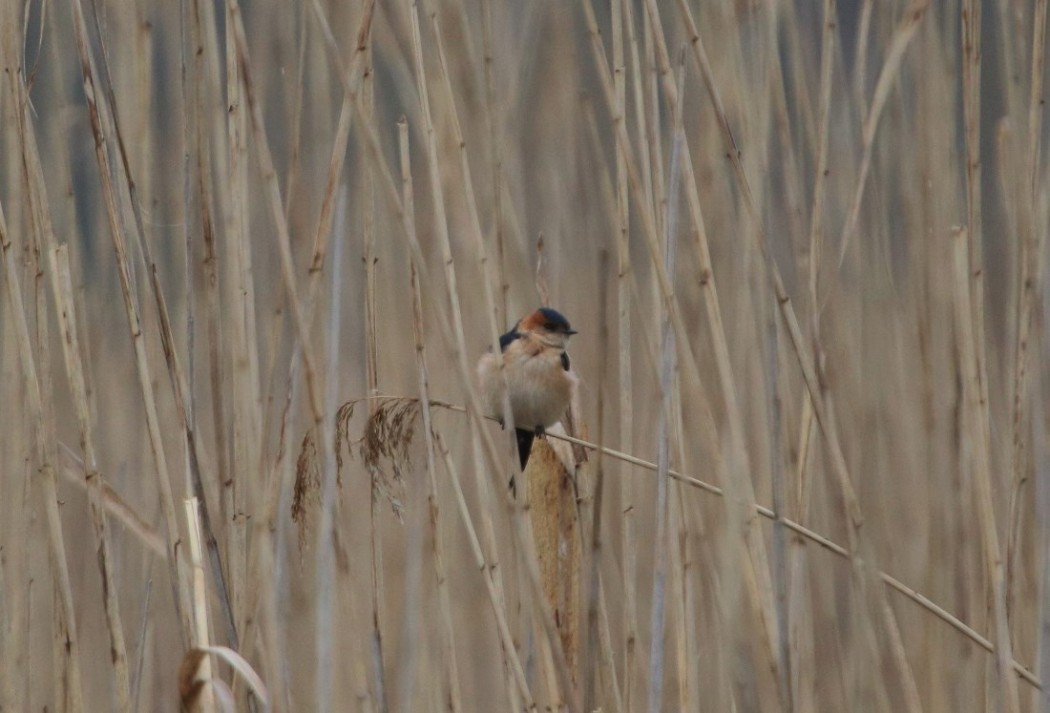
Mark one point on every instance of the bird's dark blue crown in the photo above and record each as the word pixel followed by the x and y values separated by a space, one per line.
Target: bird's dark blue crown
pixel 554 320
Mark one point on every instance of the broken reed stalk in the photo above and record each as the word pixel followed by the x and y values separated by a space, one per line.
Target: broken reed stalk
pixel 204 700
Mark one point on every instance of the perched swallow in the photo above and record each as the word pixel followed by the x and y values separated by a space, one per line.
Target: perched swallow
pixel 536 368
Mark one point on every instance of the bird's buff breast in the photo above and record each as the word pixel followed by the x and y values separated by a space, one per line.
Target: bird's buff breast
pixel 538 386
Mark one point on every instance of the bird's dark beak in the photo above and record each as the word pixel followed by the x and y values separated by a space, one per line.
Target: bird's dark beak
pixel 570 331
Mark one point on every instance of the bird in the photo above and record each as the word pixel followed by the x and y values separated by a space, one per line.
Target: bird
pixel 539 381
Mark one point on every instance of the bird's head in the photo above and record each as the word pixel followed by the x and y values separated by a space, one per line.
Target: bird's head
pixel 547 325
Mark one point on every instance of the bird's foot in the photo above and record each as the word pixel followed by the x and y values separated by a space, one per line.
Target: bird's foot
pixel 540 431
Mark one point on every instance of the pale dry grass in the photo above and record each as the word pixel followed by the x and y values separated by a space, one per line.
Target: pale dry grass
pixel 251 254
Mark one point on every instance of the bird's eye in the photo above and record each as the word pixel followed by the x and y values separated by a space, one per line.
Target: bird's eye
pixel 550 326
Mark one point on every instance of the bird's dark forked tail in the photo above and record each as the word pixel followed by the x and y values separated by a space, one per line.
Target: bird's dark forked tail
pixel 525 439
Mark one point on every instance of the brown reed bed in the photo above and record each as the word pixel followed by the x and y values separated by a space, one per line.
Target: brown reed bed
pixel 251 254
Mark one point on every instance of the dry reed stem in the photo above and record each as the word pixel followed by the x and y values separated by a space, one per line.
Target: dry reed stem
pixel 546 616
pixel 468 183
pixel 176 564
pixel 648 207
pixel 816 219
pixel 625 409
pixel 807 533
pixel 860 72
pixel 761 598
pixel 182 387
pixel 1041 699
pixel 686 554
pixel 269 175
pixel 66 639
pixel 372 373
pixel 436 186
pixel 783 299
pixel 62 288
pixel 144 639
pixel 203 56
pixel 203 700
pixel 496 149
pixel 65 629
pixel 781 581
pixel 969 282
pixel 977 459
pixel 865 563
pixel 556 521
pixel 902 37
pixel 893 421
pixel 816 244
pixel 329 537
pixel 553 516
pixel 9 697
pixel 454 326
pixel 238 280
pixel 1030 279
pixel 269 523
pixel 653 137
pixel 194 661
pixel 667 365
pixel 641 115
pixel 453 700
pixel 599 637
pixel 626 292
pixel 351 82
pixel 487 574
pixel 295 133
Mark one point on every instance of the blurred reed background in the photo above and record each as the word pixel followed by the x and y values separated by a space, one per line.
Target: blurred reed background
pixel 802 244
